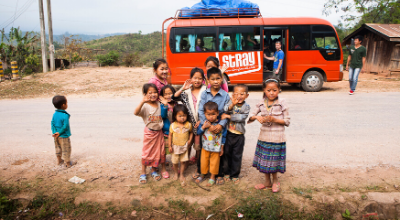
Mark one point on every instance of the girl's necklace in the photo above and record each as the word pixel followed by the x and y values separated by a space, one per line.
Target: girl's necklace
pixel 269 106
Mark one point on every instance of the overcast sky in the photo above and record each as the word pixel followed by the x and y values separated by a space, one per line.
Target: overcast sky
pixel 130 16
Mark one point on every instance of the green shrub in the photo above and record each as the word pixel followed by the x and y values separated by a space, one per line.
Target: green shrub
pixel 7 206
pixel 32 64
pixel 109 59
pixel 131 59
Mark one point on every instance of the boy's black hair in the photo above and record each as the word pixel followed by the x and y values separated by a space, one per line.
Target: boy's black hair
pixel 213 59
pixel 158 62
pixel 359 37
pixel 211 106
pixel 213 70
pixel 58 101
pixel 180 108
pixel 167 87
pixel 278 42
pixel 196 70
pixel 242 86
pixel 147 86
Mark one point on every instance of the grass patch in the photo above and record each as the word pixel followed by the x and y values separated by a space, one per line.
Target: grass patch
pixel 253 204
pixel 304 192
pixel 374 188
pixel 7 206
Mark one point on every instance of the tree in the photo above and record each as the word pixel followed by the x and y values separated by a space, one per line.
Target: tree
pixel 17 47
pixel 369 11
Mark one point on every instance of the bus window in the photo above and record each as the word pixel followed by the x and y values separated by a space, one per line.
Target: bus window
pixel 324 41
pixel 193 39
pixel 239 38
pixel 324 37
pixel 299 37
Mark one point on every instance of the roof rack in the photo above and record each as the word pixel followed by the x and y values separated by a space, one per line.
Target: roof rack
pixel 218 13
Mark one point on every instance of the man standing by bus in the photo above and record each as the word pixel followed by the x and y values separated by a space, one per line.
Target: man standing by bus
pixel 356 59
pixel 278 60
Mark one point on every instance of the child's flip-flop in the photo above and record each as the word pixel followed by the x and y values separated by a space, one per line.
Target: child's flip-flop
pixel 276 188
pixel 143 179
pixel 165 175
pixel 227 178
pixel 196 175
pixel 156 176
pixel 211 182
pixel 261 186
pixel 220 181
pixel 199 179
pixel 235 180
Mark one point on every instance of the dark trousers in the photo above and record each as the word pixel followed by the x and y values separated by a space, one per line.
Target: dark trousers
pixel 231 160
pixel 198 161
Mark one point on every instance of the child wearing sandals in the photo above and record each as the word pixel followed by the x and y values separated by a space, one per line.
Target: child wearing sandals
pixel 270 155
pixel 190 95
pixel 237 111
pixel 180 138
pixel 61 131
pixel 153 152
pixel 214 94
pixel 167 105
pixel 212 142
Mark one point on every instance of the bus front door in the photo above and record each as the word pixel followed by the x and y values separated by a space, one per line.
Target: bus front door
pixel 271 36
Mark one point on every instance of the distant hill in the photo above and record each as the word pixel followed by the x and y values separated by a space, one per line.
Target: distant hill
pixel 147 46
pixel 83 37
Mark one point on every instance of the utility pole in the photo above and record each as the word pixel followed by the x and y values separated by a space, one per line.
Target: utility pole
pixel 42 36
pixel 50 23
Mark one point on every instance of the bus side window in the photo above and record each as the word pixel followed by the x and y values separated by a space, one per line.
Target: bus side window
pixel 182 43
pixel 299 37
pixel 324 37
pixel 239 38
pixel 193 40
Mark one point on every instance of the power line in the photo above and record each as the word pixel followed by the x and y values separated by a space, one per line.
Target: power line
pixel 22 10
pixel 7 6
pixel 16 7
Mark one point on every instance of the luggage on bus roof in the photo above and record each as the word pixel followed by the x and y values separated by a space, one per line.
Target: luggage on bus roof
pixel 230 8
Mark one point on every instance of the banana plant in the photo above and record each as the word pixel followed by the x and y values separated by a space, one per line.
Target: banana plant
pixel 20 46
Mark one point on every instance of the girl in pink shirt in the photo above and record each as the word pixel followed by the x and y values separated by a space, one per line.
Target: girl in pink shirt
pixel 161 72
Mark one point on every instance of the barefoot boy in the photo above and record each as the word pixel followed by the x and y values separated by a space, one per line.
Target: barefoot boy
pixel 61 131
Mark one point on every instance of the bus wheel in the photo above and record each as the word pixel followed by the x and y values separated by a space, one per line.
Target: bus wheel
pixel 312 81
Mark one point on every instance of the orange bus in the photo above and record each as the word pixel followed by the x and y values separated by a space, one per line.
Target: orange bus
pixel 312 49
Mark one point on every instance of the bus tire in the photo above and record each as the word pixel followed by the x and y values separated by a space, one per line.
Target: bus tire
pixel 312 81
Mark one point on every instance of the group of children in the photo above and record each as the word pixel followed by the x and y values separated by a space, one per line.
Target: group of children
pixel 203 116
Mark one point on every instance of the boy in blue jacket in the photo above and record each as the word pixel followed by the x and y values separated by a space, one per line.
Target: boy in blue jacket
pixel 61 131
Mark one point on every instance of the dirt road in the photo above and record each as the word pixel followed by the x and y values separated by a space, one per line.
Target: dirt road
pixel 330 129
